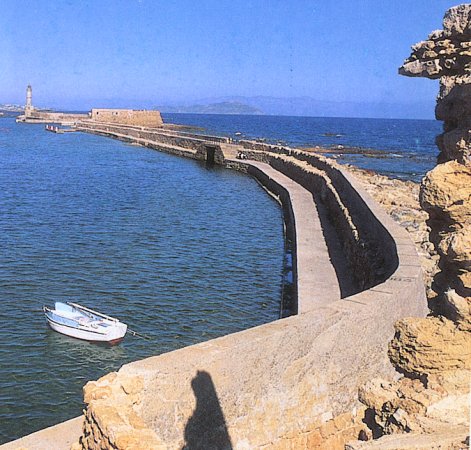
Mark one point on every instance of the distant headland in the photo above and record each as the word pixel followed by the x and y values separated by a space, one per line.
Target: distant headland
pixel 227 107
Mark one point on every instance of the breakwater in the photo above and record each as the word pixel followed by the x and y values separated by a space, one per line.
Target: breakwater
pixel 291 383
pixel 316 368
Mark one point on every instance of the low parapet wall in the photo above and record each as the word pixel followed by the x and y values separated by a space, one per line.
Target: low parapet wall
pixel 315 278
pixel 52 117
pixel 366 243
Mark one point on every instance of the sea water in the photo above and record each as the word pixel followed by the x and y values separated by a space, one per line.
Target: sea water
pixel 180 252
pixel 398 148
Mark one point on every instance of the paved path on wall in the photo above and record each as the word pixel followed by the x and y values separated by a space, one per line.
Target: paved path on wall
pixel 187 152
pixel 317 282
pixel 57 437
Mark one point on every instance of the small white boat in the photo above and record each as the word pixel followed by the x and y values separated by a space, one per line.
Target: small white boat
pixel 80 322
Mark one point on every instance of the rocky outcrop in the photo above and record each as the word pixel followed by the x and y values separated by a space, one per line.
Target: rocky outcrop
pixel 446 53
pixel 445 195
pixel 434 353
pixel 434 345
pixel 446 190
pixel 413 406
pixel 110 418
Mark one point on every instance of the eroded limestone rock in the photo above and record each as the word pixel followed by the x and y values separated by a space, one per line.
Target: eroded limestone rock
pixel 418 406
pixel 435 353
pixel 111 417
pixel 459 308
pixel 430 345
pixel 457 21
pixel 446 194
pixel 446 190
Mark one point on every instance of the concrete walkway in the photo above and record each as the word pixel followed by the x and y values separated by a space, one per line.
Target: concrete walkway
pixel 57 437
pixel 317 283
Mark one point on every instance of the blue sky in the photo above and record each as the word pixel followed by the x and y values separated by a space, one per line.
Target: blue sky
pixel 142 53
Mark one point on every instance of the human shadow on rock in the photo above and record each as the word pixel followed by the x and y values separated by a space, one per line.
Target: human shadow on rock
pixel 206 429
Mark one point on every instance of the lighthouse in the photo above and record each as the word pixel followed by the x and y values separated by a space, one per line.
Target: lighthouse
pixel 29 101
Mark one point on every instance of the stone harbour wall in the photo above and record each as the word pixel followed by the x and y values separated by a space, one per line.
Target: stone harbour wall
pixel 52 117
pixel 181 144
pixel 366 244
pixel 288 384
pixel 293 385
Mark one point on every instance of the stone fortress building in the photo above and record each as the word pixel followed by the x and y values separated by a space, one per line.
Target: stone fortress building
pixel 151 119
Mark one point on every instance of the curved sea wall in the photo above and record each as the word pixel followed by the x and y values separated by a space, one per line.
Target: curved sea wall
pixel 180 143
pixel 288 384
pixel 291 383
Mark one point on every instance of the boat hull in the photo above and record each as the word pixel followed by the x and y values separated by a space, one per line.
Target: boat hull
pixel 111 334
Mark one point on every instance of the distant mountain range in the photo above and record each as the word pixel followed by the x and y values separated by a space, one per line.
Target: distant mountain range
pixel 302 106
pixel 276 106
pixel 11 108
pixel 225 107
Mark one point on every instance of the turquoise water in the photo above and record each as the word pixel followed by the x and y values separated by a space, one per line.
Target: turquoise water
pixel 180 252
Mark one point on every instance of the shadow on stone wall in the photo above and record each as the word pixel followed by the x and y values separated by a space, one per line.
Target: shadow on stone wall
pixel 333 240
pixel 206 429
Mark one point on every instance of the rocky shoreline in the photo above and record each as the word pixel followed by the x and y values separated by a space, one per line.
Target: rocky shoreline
pixel 434 353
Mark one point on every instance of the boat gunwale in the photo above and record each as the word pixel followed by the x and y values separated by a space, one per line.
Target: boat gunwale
pixel 109 327
pixel 87 330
